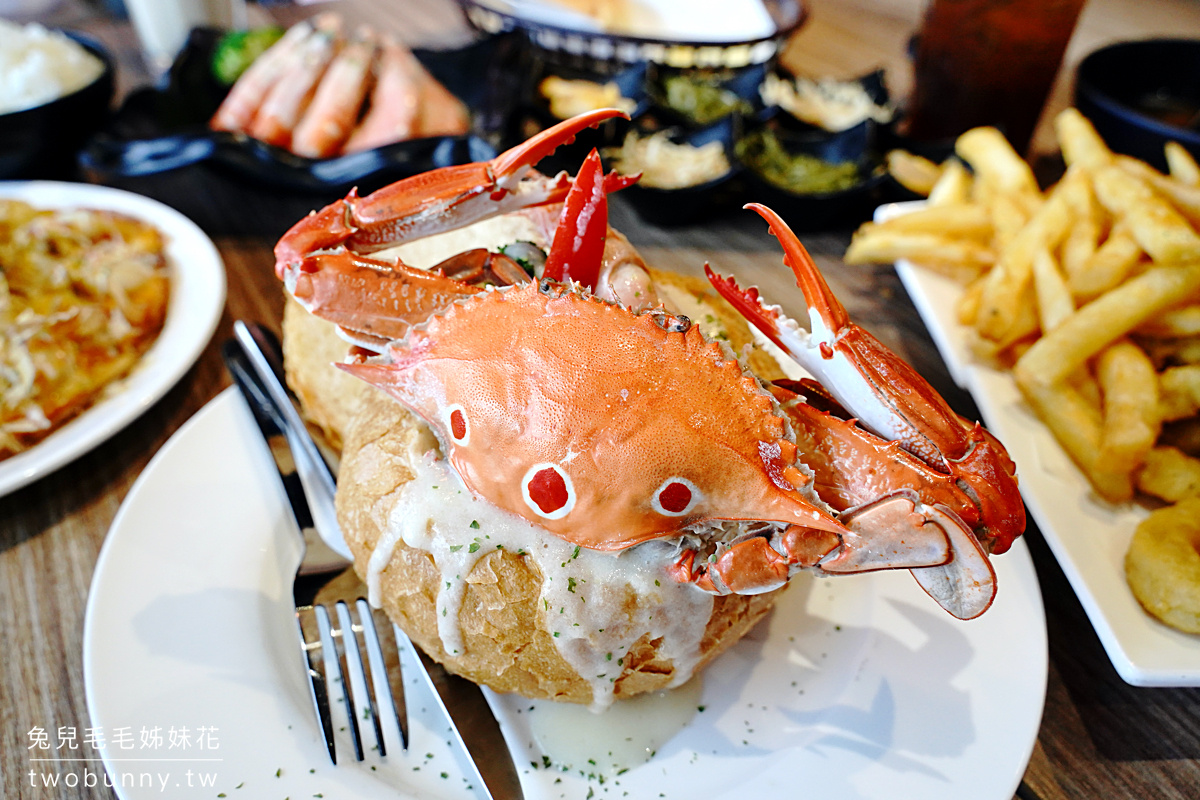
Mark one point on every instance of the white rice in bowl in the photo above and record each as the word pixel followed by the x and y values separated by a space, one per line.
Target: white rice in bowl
pixel 39 65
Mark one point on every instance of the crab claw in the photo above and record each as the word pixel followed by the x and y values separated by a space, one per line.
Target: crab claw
pixel 436 201
pixel 533 150
pixel 579 238
pixel 884 393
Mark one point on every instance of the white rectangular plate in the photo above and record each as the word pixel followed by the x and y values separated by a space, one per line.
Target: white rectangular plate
pixel 1088 536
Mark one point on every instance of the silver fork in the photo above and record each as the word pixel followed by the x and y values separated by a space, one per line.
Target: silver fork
pixel 340 645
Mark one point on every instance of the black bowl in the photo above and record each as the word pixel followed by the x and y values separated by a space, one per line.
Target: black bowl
pixel 817 210
pixel 690 204
pixel 1141 95
pixel 41 142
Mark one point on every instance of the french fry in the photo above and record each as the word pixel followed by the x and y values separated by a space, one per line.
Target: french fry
pixel 954 185
pixel 968 303
pixel 1155 224
pixel 1180 392
pixel 915 173
pixel 1076 425
pixel 1113 261
pixel 1089 389
pixel 1182 321
pixel 1007 282
pixel 995 161
pixel 1104 320
pixel 1079 141
pixel 1181 165
pixel 1132 422
pixel 1008 218
pixel 1080 245
pixel 881 244
pixel 947 221
pixel 1170 474
pixel 1054 300
pixel 1185 198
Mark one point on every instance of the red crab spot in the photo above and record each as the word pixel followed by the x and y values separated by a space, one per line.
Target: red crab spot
pixel 458 425
pixel 675 497
pixel 548 489
pixel 826 350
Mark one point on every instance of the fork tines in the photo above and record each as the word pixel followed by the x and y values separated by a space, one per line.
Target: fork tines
pixel 346 662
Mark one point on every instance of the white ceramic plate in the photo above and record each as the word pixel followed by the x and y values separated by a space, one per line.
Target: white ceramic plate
pixel 1088 535
pixel 854 687
pixel 197 298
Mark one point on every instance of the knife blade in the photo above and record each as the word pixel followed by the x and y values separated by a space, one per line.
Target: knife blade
pixel 460 702
pixel 263 352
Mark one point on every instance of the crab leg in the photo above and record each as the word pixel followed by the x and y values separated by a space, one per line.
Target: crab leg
pixel 432 202
pixel 886 395
pixel 372 301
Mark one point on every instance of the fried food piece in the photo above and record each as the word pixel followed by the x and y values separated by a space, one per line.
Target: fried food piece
pixel 1162 565
pixel 1170 474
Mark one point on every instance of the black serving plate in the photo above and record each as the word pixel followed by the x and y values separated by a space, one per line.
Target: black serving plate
pixel 166 127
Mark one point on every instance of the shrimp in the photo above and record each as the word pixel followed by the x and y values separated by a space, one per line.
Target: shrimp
pixel 246 96
pixel 284 104
pixel 333 111
pixel 393 111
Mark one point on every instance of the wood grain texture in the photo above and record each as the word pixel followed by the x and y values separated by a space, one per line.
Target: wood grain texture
pixel 1099 737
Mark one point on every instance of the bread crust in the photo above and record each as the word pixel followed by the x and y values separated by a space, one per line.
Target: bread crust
pixel 507 644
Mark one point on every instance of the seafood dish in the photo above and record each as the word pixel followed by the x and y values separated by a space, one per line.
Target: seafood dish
pixel 319 92
pixel 560 485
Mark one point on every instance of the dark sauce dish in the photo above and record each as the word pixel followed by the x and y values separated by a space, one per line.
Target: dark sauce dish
pixel 856 152
pixel 688 204
pixel 700 97
pixel 818 208
pixel 1141 95
pixel 853 154
pixel 41 142
pixel 166 127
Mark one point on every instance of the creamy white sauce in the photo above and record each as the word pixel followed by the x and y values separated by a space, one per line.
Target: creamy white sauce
pixel 633 730
pixel 584 592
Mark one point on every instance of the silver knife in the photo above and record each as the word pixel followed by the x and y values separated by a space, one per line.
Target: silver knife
pixel 315 475
pixel 462 703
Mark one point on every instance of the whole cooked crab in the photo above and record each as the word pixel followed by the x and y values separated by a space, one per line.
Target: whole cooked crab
pixel 610 421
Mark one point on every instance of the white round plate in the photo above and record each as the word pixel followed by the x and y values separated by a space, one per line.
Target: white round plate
pixel 197 299
pixel 853 687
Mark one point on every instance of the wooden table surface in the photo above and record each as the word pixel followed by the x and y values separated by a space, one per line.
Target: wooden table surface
pixel 1099 737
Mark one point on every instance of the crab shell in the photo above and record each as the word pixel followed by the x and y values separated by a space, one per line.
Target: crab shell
pixel 606 427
